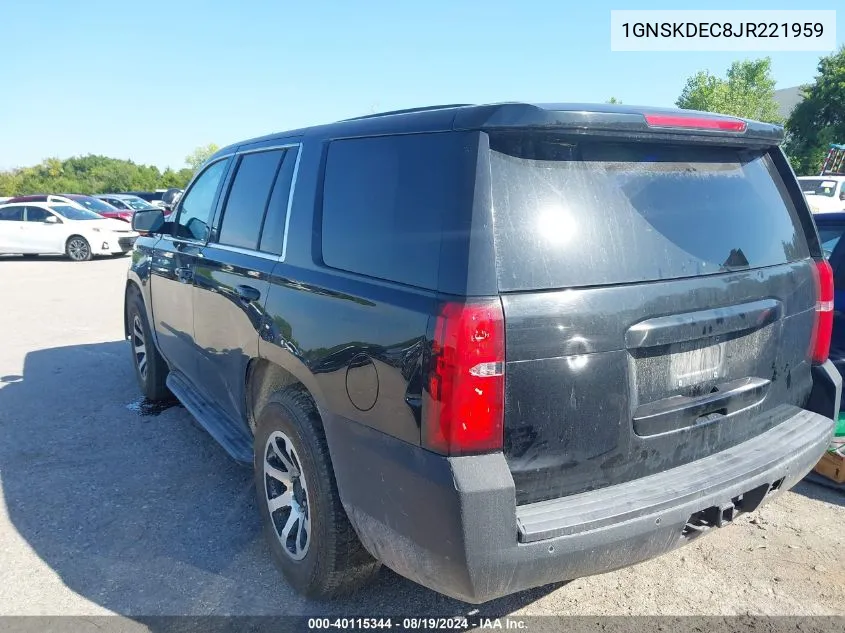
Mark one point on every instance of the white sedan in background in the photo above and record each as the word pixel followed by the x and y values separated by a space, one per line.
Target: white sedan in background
pixel 40 228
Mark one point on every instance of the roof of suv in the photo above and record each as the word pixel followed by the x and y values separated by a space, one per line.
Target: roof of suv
pixel 574 116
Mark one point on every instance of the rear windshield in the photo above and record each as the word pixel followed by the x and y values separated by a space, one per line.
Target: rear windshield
pixel 93 204
pixel 818 187
pixel 568 212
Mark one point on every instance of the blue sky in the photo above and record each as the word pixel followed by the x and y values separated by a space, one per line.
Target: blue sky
pixel 152 80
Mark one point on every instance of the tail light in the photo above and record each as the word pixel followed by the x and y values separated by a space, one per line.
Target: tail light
pixel 466 381
pixel 823 326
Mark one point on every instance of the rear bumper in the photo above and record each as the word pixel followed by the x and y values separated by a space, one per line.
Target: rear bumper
pixel 452 524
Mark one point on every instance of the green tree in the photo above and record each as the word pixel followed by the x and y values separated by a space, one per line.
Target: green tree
pixel 200 155
pixel 614 100
pixel 747 91
pixel 819 119
pixel 89 174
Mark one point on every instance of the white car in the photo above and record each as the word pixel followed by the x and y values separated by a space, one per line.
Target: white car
pixel 40 228
pixel 824 194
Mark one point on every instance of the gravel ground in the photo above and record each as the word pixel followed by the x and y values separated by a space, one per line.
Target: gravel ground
pixel 109 508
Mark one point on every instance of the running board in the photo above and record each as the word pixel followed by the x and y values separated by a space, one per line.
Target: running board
pixel 227 432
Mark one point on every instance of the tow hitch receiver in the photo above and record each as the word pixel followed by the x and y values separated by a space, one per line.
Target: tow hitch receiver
pixel 719 516
pixel 714 516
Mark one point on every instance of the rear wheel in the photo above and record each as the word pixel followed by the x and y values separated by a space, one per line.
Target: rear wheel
pixel 78 248
pixel 309 534
pixel 150 368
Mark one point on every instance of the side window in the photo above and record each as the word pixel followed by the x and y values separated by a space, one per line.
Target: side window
pixel 118 204
pixel 11 214
pixel 197 205
pixel 36 214
pixel 247 199
pixel 272 235
pixel 829 236
pixel 384 200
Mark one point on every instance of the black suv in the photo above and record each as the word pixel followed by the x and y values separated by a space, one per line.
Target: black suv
pixel 497 346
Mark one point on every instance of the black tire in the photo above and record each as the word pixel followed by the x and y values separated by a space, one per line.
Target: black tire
pixel 78 249
pixel 335 563
pixel 152 374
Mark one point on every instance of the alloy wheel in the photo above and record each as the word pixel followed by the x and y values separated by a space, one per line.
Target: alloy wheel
pixel 78 249
pixel 139 346
pixel 286 494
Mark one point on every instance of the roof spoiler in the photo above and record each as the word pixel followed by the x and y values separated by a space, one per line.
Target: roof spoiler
pixel 627 121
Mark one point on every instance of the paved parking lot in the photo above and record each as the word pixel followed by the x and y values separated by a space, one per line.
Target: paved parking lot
pixel 106 507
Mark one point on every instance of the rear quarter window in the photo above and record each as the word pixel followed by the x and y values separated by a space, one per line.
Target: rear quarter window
pixel 384 200
pixel 569 212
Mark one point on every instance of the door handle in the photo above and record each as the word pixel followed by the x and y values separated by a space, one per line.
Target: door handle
pixel 184 274
pixel 248 293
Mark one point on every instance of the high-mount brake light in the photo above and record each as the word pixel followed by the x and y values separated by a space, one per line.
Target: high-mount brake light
pixel 694 122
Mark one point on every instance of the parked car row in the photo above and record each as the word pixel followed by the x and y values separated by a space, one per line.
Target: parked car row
pixel 79 226
pixel 57 226
pixel 164 198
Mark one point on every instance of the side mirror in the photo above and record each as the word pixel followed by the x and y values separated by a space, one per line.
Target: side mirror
pixel 842 196
pixel 51 219
pixel 150 221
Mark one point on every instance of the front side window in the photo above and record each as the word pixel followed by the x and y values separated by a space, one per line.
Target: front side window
pixel 198 204
pixel 37 214
pixel 244 212
pixel 11 214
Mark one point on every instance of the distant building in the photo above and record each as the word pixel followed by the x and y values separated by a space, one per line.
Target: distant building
pixel 787 99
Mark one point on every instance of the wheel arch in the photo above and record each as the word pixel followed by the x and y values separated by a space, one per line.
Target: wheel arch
pixel 263 379
pixel 131 288
pixel 134 285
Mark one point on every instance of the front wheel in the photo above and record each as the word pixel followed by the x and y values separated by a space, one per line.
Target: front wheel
pixel 150 368
pixel 78 249
pixel 309 534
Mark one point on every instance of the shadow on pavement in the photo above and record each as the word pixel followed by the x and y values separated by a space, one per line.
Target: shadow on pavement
pixel 145 514
pixel 815 486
